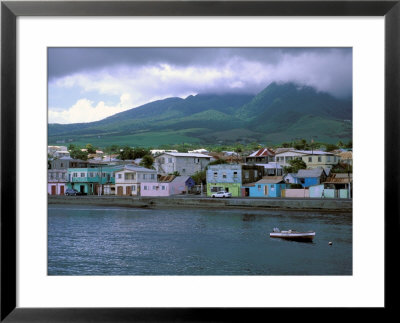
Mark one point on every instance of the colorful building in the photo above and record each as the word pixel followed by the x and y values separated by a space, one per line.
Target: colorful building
pixel 129 178
pixel 268 186
pixel 92 180
pixel 309 177
pixel 231 177
pixel 167 185
pixel 56 181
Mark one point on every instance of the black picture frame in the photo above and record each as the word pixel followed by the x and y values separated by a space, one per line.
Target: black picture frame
pixel 10 10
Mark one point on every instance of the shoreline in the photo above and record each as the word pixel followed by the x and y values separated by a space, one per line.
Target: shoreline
pixel 286 204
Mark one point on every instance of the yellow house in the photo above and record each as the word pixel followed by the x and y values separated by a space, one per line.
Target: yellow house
pixel 313 159
pixel 320 159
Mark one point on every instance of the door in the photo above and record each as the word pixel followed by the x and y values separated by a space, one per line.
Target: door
pixel 129 190
pixel 120 190
pixel 53 190
pixel 266 190
pixel 61 190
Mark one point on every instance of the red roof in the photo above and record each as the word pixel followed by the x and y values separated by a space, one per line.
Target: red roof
pixel 263 152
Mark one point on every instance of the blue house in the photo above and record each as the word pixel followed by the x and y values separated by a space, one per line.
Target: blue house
pixel 268 186
pixel 309 177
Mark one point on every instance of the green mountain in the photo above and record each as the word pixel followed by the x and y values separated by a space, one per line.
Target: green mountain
pixel 281 112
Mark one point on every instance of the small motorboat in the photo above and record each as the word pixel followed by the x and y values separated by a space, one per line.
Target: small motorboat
pixel 293 235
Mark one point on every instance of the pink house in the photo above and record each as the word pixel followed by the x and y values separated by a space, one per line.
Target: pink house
pixel 56 181
pixel 166 186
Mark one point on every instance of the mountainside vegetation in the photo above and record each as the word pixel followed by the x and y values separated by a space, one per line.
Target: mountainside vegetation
pixel 279 113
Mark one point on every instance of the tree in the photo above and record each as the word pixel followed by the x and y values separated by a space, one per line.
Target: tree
pixel 140 152
pixel 90 149
pixel 199 177
pixel 330 147
pixel 126 153
pixel 79 154
pixel 147 161
pixel 295 165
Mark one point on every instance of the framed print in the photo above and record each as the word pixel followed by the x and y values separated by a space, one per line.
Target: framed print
pixel 200 70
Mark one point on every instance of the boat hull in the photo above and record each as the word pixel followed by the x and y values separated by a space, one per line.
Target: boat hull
pixel 295 236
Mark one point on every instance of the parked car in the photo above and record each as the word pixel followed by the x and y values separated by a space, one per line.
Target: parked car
pixel 71 191
pixel 221 194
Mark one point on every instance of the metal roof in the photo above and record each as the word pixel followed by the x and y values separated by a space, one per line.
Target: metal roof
pixel 270 180
pixel 186 155
pixel 262 153
pixel 315 172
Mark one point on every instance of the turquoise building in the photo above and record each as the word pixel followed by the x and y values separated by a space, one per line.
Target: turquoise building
pixel 92 181
pixel 269 186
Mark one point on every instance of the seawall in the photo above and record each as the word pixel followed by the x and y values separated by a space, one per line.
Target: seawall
pixel 320 205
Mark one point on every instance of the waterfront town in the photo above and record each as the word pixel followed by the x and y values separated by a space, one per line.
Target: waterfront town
pixel 263 173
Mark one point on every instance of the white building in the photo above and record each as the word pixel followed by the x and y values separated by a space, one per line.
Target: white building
pixel 186 164
pixel 127 180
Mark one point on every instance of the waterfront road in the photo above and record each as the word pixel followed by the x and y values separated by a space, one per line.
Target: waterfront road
pixel 189 200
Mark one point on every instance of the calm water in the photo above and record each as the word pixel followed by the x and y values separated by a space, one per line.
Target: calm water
pixel 93 240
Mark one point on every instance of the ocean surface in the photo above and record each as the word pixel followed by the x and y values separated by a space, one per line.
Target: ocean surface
pixel 94 240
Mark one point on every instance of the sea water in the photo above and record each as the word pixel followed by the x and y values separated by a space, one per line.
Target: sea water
pixel 94 240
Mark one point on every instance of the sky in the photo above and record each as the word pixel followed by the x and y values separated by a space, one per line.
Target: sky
pixel 90 84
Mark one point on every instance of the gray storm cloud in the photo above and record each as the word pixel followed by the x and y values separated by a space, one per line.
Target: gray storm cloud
pixel 199 70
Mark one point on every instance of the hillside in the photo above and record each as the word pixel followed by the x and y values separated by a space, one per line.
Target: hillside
pixel 280 112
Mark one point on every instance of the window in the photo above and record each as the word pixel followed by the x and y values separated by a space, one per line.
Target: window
pixel 119 175
pixel 183 170
pixel 62 164
pixel 75 175
pixel 133 188
pixel 309 159
pixel 272 186
pixel 152 176
pixel 334 159
pixel 163 188
pixel 246 174
pixel 328 158
pixel 82 174
pixel 259 187
pixel 235 174
pixel 144 176
pixel 169 160
pixel 215 174
pixel 319 159
pixel 154 187
pixel 223 175
pixel 255 174
pixel 145 187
